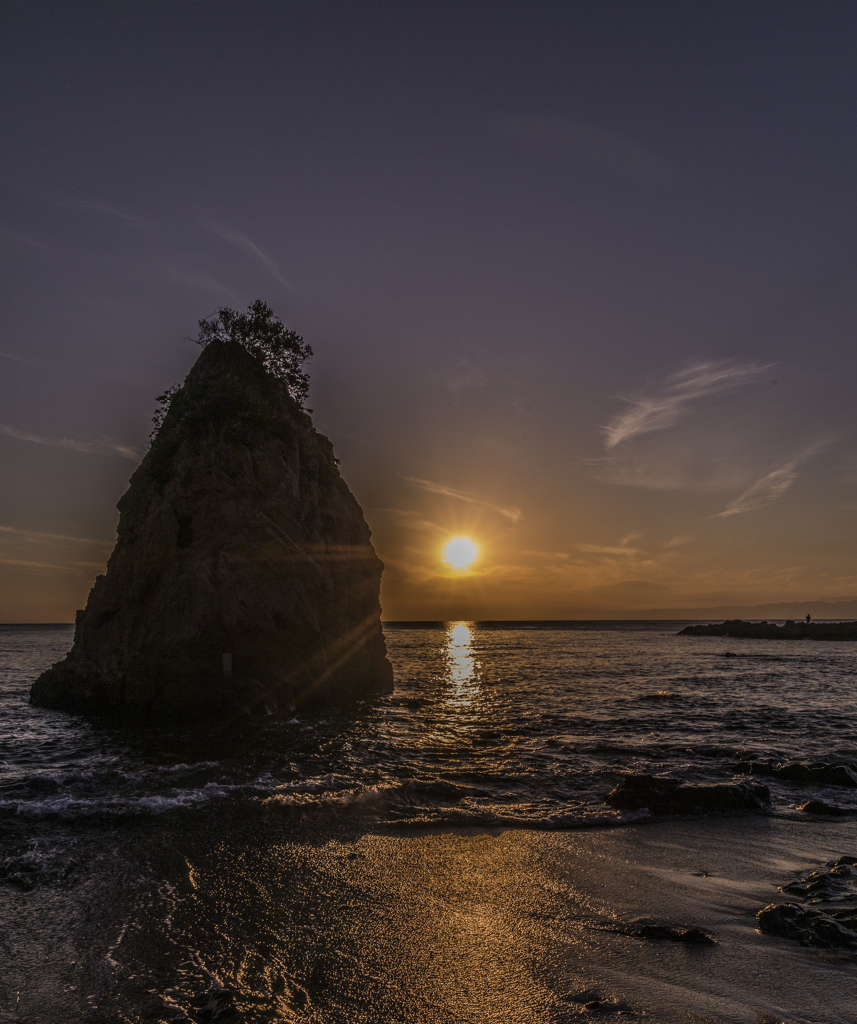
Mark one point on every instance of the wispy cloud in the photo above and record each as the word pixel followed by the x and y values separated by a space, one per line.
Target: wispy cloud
pixel 763 491
pixel 578 142
pixel 53 536
pixel 468 378
pixel 681 390
pixel 250 247
pixel 25 361
pixel 73 444
pixel 770 486
pixel 601 549
pixel 547 554
pixel 97 206
pixel 34 243
pixel 514 514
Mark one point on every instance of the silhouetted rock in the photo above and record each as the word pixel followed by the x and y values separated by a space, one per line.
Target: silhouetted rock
pixel 669 796
pixel 790 630
pixel 664 933
pixel 243 575
pixel 803 773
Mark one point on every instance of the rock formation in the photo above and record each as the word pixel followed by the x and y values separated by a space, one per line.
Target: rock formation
pixel 243 575
pixel 790 630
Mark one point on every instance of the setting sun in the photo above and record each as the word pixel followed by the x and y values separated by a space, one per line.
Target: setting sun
pixel 460 552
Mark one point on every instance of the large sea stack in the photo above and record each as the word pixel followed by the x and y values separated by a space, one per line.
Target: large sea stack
pixel 243 577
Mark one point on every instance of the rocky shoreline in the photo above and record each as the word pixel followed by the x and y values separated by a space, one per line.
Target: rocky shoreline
pixel 790 630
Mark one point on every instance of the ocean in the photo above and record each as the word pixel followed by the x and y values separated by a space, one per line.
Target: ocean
pixel 440 854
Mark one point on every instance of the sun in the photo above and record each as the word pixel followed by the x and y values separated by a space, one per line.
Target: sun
pixel 460 552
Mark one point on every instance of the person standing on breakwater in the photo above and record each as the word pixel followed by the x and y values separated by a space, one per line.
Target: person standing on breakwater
pixel 808 618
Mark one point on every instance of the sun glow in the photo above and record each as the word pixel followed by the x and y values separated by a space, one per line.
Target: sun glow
pixel 460 552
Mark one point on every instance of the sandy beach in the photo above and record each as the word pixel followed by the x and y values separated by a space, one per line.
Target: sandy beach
pixel 333 921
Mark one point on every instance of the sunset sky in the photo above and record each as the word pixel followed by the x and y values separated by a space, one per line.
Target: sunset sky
pixel 579 278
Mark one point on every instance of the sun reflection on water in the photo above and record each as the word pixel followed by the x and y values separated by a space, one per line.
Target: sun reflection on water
pixel 461 663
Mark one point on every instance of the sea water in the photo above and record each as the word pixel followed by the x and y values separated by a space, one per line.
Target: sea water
pixel 494 730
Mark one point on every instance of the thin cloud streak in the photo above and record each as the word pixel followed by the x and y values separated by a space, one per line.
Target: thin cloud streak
pixel 250 247
pixel 96 206
pixel 26 362
pixel 90 447
pixel 769 487
pixel 34 243
pixel 682 389
pixel 54 536
pixel 577 142
pixel 763 491
pixel 514 514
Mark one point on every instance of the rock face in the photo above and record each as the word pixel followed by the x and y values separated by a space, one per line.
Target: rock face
pixel 243 575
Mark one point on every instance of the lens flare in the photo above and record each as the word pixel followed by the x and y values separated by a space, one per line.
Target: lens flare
pixel 460 552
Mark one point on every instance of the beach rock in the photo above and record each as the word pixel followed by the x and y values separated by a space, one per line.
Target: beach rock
pixel 665 933
pixel 803 773
pixel 827 914
pixel 243 576
pixel 669 796
pixel 820 807
pixel 834 884
pixel 592 1003
pixel 832 929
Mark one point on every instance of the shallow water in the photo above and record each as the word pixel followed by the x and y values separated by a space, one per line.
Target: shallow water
pixel 526 726
pixel 144 867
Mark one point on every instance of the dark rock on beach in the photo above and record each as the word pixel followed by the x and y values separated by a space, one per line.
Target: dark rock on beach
pixel 243 576
pixel 829 929
pixel 592 1003
pixel 790 630
pixel 669 796
pixel 801 772
pixel 827 914
pixel 665 933
pixel 820 807
pixel 836 883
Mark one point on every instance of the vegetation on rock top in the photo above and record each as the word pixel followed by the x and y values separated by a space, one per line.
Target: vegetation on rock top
pixel 280 350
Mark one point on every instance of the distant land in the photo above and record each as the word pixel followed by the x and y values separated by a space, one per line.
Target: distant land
pixel 846 608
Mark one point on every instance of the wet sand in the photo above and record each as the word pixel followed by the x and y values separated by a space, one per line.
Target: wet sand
pixel 336 921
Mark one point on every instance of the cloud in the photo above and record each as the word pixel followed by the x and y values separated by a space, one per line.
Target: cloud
pixel 97 206
pixel 22 359
pixel 250 247
pixel 680 391
pixel 578 142
pixel 54 536
pixel 514 514
pixel 600 549
pixel 469 378
pixel 36 565
pixel 547 554
pixel 763 491
pixel 34 243
pixel 770 487
pixel 91 447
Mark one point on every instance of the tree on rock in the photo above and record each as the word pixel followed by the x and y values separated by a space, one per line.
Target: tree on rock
pixel 264 335
pixel 282 351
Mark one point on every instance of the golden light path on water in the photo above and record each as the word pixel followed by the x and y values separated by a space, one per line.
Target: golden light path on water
pixel 461 664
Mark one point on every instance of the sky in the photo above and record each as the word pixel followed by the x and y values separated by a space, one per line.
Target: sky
pixel 579 280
